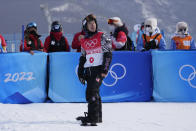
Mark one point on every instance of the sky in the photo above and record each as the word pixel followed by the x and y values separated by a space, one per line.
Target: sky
pixel 70 13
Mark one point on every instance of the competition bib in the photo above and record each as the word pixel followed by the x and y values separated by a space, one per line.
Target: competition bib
pixel 93 60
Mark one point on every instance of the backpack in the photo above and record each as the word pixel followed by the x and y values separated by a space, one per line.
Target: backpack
pixel 129 46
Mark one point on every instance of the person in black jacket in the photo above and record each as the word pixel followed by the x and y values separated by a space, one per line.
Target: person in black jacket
pixel 94 63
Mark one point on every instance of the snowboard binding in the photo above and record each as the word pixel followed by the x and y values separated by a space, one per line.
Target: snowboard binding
pixel 85 120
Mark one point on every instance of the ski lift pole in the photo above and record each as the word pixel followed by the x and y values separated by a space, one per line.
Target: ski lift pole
pixel 22 37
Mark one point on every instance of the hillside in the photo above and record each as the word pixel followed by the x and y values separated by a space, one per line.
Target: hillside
pixel 71 12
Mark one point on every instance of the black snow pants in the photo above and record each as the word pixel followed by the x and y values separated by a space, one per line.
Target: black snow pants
pixel 94 80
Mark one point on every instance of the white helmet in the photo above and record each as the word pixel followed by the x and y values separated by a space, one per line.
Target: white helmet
pixel 182 28
pixel 115 21
pixel 150 24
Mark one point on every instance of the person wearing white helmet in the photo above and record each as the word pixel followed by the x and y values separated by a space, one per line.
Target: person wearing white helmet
pixel 152 38
pixel 182 39
pixel 120 38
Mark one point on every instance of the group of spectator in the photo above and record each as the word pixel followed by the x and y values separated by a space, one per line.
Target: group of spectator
pixel 148 37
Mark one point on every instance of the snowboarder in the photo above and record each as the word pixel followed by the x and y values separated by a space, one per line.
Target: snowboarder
pixel 94 63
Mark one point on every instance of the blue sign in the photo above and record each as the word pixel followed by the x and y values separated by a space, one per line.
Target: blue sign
pixel 22 77
pixel 129 78
pixel 174 76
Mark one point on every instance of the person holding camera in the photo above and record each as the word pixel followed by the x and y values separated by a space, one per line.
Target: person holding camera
pixel 151 38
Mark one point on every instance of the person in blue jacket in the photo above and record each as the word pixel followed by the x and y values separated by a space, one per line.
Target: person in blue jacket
pixel 151 38
pixel 182 40
pixel 137 33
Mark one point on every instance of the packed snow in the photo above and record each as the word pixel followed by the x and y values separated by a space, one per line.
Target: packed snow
pixel 141 116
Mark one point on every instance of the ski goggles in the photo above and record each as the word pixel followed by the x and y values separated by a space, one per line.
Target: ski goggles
pixel 112 21
pixel 182 29
pixel 32 24
pixel 148 26
pixel 56 28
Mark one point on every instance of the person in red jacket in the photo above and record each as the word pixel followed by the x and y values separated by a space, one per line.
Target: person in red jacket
pixel 2 44
pixel 31 39
pixel 77 37
pixel 120 33
pixel 76 41
pixel 56 42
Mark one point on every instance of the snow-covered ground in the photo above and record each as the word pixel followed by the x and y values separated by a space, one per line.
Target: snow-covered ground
pixel 149 116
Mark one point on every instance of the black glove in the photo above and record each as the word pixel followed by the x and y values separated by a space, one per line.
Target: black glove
pixel 143 50
pixel 148 46
pixel 107 58
pixel 153 44
pixel 81 74
pixel 82 80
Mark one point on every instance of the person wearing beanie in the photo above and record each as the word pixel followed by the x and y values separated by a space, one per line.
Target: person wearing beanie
pixel 94 62
pixel 151 38
pixel 31 39
pixel 2 44
pixel 182 40
pixel 56 42
pixel 119 36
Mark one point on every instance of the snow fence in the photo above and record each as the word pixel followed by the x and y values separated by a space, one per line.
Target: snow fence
pixel 23 77
pixel 131 77
pixel 174 76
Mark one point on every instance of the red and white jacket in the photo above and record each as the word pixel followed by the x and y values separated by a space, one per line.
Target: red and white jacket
pixel 97 51
pixel 119 41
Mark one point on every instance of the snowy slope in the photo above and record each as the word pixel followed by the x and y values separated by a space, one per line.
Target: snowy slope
pixel 71 12
pixel 116 117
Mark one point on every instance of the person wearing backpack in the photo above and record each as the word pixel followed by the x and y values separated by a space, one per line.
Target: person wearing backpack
pixel 151 38
pixel 121 40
